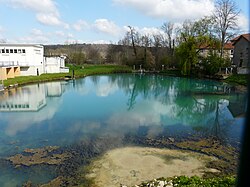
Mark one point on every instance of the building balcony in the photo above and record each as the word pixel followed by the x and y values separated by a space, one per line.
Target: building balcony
pixel 13 63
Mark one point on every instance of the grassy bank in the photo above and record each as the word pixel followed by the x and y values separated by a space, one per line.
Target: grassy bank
pixel 184 181
pixel 237 80
pixel 79 71
pixel 86 70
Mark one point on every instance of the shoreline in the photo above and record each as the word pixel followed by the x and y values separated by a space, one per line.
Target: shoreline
pixel 98 70
pixel 89 156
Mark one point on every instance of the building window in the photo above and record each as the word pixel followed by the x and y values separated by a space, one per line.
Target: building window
pixel 3 51
pixel 232 51
pixel 7 51
pixel 15 50
pixel 241 62
pixel 11 50
pixel 19 50
pixel 23 50
pixel 247 51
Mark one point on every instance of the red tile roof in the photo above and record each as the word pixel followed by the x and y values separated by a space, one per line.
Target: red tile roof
pixel 246 36
pixel 228 46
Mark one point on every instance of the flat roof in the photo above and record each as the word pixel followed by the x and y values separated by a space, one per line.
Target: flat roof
pixel 20 45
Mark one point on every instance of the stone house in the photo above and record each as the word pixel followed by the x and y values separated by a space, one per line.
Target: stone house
pixel 241 53
pixel 228 50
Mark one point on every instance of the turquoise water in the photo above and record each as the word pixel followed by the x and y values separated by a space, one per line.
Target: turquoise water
pixel 66 112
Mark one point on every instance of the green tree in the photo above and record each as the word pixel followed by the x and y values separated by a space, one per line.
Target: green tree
pixel 212 63
pixel 186 53
pixel 191 37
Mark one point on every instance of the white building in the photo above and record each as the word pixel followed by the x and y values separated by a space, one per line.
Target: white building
pixel 26 60
pixel 55 64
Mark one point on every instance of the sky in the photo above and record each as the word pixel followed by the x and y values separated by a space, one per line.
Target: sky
pixel 97 21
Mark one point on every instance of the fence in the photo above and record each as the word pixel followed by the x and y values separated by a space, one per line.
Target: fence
pixel 1 87
pixel 226 71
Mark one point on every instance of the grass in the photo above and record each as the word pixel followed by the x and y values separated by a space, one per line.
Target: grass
pixel 172 72
pixel 79 71
pixel 184 181
pixel 86 70
pixel 237 79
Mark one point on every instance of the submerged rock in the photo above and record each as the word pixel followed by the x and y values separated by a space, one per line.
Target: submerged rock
pixel 43 155
pixel 57 182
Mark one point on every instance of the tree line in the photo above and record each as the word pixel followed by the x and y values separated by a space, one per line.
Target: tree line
pixel 174 46
pixel 181 46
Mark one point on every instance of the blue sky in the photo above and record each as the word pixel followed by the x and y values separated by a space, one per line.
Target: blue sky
pixel 96 21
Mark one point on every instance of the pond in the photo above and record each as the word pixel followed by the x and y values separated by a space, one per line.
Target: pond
pixel 103 112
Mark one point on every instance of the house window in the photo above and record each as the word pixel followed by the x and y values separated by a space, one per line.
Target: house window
pixel 3 51
pixel 232 51
pixel 19 50
pixel 11 50
pixel 15 50
pixel 241 62
pixel 23 50
pixel 7 50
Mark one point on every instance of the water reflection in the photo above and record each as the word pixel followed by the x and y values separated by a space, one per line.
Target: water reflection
pixel 29 105
pixel 122 103
pixel 114 106
pixel 159 101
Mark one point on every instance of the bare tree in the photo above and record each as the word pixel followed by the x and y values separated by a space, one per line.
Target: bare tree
pixel 157 40
pixel 168 27
pixel 225 17
pixel 132 34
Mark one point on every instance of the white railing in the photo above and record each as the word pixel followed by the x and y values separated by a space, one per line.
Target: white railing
pixel 7 63
pixel 226 71
pixel 64 70
pixel 13 63
pixel 1 87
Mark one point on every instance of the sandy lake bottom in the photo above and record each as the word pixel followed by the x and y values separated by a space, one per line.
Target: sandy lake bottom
pixel 133 165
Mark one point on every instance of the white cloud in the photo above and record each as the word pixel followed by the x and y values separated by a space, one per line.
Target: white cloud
pixel 46 11
pixel 48 19
pixel 177 10
pixel 36 32
pixel 46 6
pixel 243 23
pixel 100 42
pixel 80 25
pixel 35 36
pixel 106 26
pixel 69 35
pixel 2 40
pixel 60 33
pixel 150 31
